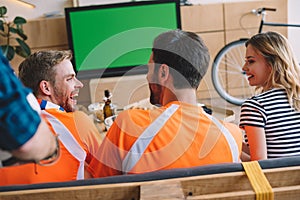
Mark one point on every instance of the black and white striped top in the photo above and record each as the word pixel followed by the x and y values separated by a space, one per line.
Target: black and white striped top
pixel 272 111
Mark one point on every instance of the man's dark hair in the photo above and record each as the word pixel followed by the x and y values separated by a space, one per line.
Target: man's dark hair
pixel 186 53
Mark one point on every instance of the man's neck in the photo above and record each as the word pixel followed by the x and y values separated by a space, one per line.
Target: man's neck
pixel 47 98
pixel 181 95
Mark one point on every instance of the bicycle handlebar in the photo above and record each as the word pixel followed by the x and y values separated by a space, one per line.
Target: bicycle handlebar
pixel 259 11
pixel 268 9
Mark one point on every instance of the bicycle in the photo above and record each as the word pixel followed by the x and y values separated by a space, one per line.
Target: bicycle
pixel 229 61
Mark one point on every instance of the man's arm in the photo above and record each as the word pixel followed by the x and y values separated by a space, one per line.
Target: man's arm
pixel 88 132
pixel 23 132
pixel 40 146
pixel 257 142
pixel 107 160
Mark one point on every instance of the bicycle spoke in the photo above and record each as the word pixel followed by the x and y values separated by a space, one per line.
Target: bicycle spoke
pixel 225 71
pixel 228 77
pixel 233 62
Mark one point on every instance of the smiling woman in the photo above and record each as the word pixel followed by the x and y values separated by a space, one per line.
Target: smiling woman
pixel 256 68
pixel 271 119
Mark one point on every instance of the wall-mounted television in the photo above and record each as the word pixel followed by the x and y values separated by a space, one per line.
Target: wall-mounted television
pixel 116 39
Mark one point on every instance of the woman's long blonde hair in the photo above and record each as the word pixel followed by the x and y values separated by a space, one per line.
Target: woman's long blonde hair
pixel 285 74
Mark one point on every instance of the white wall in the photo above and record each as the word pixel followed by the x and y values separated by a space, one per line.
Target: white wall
pixel 215 1
pixel 57 6
pixel 42 7
pixel 294 33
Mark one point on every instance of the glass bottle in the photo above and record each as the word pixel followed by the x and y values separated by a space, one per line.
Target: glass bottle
pixel 107 108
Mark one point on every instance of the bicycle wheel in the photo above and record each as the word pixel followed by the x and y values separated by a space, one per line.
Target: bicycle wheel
pixel 228 78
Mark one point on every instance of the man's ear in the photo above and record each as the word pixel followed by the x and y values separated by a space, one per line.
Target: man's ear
pixel 45 87
pixel 163 72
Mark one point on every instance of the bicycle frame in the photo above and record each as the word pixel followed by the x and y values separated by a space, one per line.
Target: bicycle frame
pixel 263 13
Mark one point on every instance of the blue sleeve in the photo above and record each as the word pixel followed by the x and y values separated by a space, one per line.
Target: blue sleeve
pixel 19 121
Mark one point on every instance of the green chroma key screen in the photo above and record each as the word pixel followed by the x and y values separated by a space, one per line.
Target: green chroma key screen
pixel 116 39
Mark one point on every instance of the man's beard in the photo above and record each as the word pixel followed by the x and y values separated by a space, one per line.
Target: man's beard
pixel 63 100
pixel 155 94
pixel 69 108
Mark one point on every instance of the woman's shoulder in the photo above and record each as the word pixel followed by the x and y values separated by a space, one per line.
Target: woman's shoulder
pixel 270 95
pixel 266 98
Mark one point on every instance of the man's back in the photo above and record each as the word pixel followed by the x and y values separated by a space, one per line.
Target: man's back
pixel 178 134
pixel 185 138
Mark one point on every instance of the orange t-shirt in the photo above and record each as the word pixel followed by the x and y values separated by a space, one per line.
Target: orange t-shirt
pixel 188 138
pixel 66 167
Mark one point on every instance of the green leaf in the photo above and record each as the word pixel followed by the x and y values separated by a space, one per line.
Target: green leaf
pixel 21 34
pixel 3 11
pixel 16 28
pixel 19 27
pixel 19 20
pixel 8 52
pixel 12 30
pixel 20 51
pixel 1 25
pixel 25 48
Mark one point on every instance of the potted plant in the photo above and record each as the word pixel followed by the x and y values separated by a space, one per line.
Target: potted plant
pixel 13 37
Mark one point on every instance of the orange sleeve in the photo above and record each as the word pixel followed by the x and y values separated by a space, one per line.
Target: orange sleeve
pixel 107 161
pixel 88 133
pixel 236 133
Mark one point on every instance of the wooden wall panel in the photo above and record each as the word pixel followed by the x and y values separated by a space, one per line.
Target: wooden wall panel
pixel 232 35
pixel 234 11
pixel 217 24
pixel 214 41
pixel 202 18
pixel 44 34
pixel 47 32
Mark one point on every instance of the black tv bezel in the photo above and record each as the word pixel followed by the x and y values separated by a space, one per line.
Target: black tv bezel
pixel 116 71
